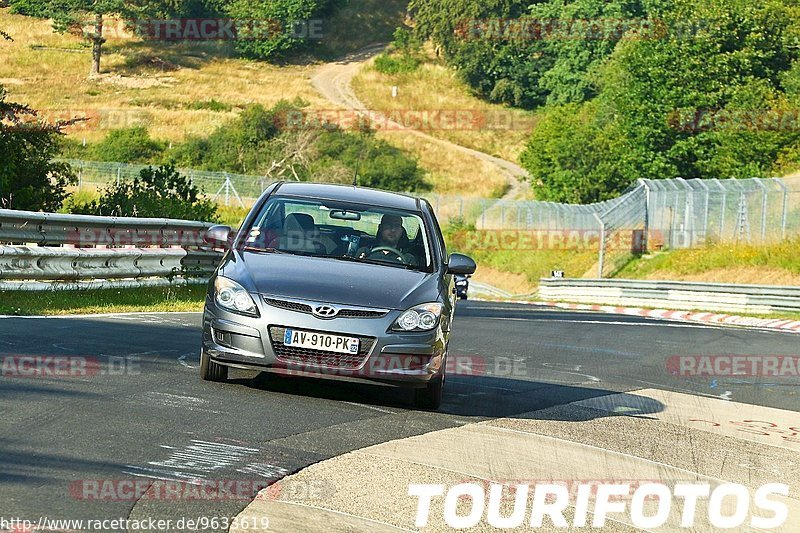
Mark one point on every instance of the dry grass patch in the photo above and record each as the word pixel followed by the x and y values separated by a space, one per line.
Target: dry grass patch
pixel 499 131
pixel 516 284
pixel 743 275
pixel 54 80
pixel 450 171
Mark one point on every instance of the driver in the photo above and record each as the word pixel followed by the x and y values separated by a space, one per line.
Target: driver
pixel 391 234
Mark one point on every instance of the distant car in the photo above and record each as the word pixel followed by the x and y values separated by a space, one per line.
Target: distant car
pixel 462 286
pixel 338 282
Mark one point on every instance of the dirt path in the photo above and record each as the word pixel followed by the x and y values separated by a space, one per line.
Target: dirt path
pixel 333 81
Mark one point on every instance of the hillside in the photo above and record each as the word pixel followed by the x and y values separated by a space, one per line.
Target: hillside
pixel 186 89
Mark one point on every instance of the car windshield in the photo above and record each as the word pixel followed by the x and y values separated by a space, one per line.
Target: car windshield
pixel 341 231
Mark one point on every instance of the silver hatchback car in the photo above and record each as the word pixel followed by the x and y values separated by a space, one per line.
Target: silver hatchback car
pixel 334 282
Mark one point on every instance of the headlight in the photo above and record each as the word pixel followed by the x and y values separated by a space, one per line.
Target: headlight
pixel 423 317
pixel 233 297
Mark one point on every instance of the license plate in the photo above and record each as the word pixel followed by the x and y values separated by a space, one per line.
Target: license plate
pixel 320 341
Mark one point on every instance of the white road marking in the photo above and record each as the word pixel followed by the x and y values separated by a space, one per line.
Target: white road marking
pixel 372 407
pixel 265 470
pixel 193 461
pixel 592 379
pixel 182 360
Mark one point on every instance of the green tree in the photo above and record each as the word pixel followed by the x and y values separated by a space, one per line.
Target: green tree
pixel 376 163
pixel 73 16
pixel 157 192
pixel 128 145
pixel 524 53
pixel 707 100
pixel 273 34
pixel 29 179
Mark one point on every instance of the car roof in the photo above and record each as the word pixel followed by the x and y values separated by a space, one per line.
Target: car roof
pixel 349 193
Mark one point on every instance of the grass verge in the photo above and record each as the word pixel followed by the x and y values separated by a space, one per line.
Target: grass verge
pixel 184 298
pixel 774 264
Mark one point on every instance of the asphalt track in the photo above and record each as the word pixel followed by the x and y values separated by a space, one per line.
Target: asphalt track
pixel 159 421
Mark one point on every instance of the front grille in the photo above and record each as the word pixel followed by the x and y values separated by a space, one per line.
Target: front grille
pixel 314 358
pixel 344 312
pixel 292 306
pixel 360 313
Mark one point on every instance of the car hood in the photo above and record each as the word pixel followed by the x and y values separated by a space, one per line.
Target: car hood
pixel 331 281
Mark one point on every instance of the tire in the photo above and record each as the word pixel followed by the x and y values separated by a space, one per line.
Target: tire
pixel 211 371
pixel 430 397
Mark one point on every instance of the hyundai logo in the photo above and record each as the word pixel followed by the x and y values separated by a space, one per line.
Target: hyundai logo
pixel 325 311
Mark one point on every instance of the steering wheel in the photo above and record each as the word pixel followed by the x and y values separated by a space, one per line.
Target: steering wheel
pixel 398 254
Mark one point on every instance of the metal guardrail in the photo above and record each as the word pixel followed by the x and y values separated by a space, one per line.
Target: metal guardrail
pixel 66 250
pixel 47 229
pixel 678 295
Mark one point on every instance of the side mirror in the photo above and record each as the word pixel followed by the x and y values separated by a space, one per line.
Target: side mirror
pixel 218 236
pixel 461 264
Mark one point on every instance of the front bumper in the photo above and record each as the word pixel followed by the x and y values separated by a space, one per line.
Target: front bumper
pixel 387 357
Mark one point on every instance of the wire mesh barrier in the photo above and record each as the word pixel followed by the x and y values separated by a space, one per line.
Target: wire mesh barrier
pixel 224 187
pixel 690 213
pixel 651 215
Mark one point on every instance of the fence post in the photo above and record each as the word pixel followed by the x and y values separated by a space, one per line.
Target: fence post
pixel 784 212
pixel 688 214
pixel 722 208
pixel 705 209
pixel 764 194
pixel 646 186
pixel 601 258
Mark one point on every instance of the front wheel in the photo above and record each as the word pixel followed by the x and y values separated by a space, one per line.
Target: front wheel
pixel 431 396
pixel 211 371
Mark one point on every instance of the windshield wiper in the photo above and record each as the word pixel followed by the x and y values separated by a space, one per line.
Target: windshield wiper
pixel 265 250
pixel 371 262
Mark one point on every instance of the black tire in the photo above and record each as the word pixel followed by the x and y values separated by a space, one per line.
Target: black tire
pixel 463 296
pixel 211 371
pixel 430 397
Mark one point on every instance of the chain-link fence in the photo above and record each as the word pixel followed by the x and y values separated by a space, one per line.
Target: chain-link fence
pixel 224 187
pixel 652 214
